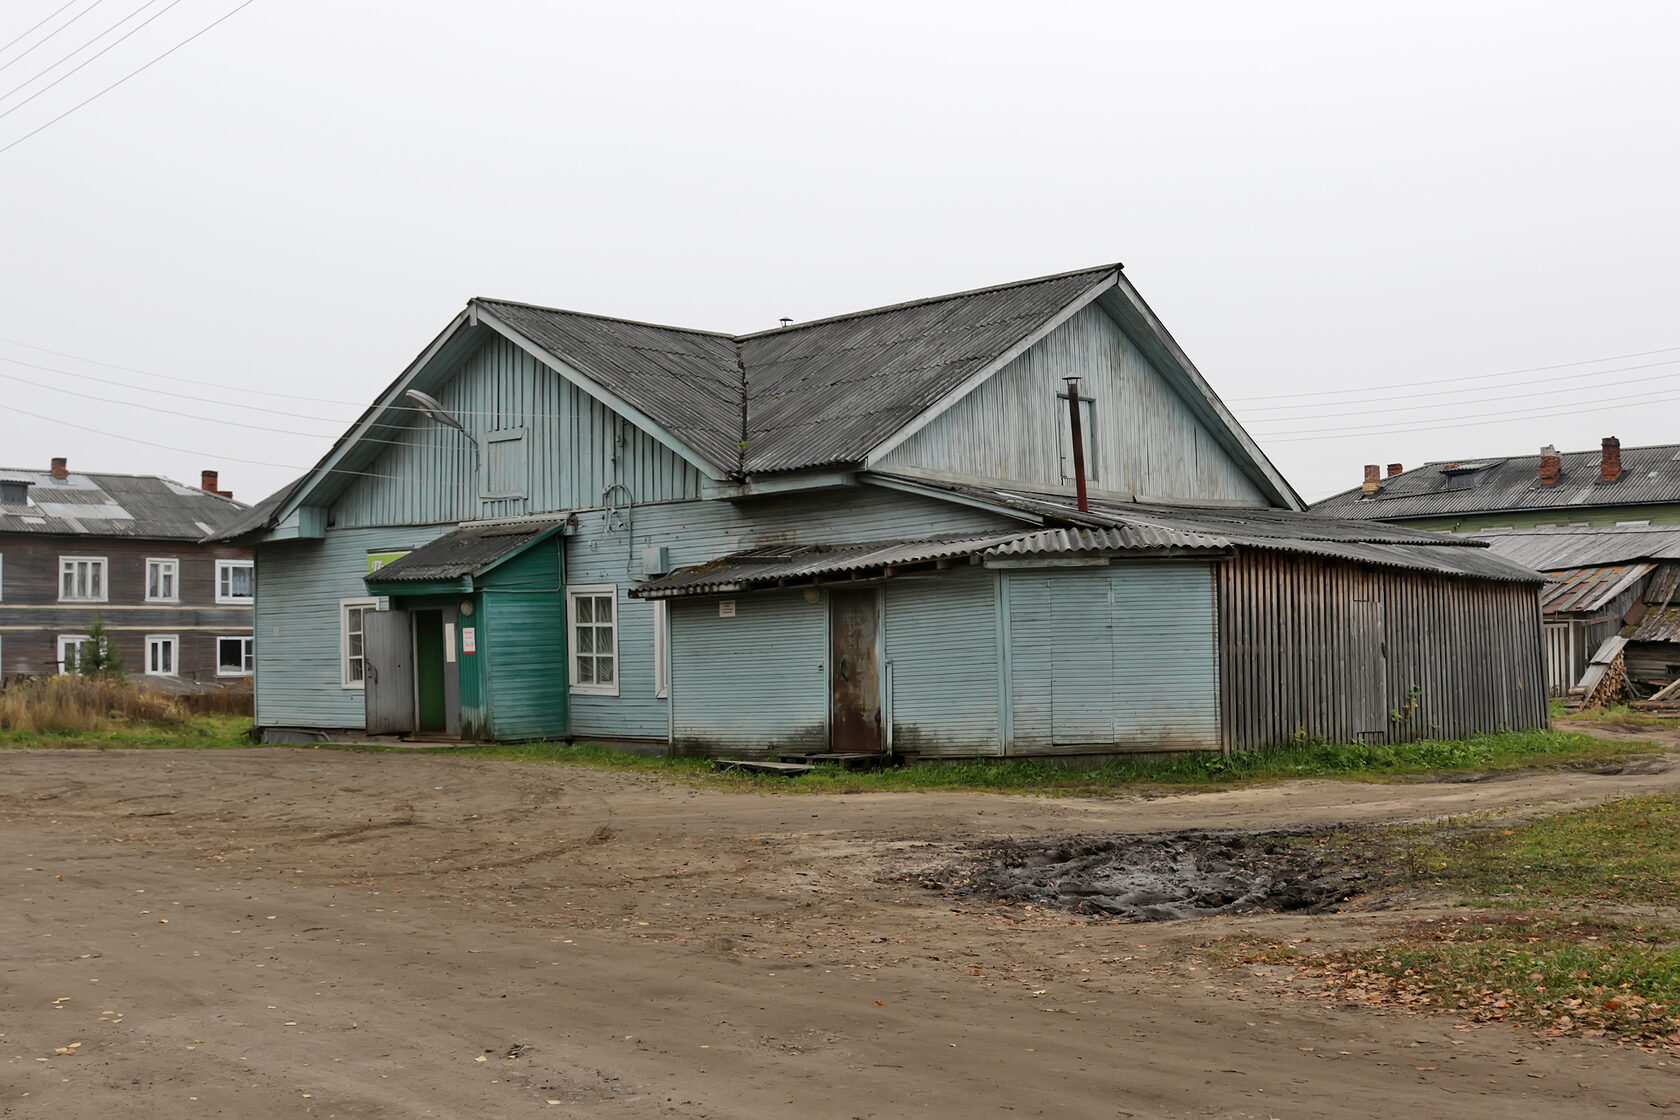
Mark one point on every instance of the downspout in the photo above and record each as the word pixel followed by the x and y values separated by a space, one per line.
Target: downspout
pixel 1078 442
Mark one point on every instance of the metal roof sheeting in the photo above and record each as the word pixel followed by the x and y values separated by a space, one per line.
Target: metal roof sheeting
pixel 115 505
pixel 1650 475
pixel 1124 538
pixel 1588 589
pixel 1551 549
pixel 807 562
pixel 469 551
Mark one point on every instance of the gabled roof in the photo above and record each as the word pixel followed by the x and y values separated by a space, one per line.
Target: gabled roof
pixel 825 393
pixel 114 505
pixel 1650 476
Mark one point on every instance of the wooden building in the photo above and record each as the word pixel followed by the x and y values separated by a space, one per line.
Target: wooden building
pixel 863 533
pixel 129 551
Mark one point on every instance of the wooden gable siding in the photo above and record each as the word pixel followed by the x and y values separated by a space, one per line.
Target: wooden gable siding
pixel 575 447
pixel 1148 442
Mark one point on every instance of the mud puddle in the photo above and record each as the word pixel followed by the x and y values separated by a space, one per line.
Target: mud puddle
pixel 1162 876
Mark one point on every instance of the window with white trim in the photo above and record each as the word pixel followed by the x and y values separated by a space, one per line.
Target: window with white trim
pixel 70 647
pixel 592 612
pixel 1087 432
pixel 351 630
pixel 163 581
pixel 81 579
pixel 160 655
pixel 235 581
pixel 236 656
pixel 661 649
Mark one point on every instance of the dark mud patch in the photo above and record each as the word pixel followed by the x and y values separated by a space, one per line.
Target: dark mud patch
pixel 1161 876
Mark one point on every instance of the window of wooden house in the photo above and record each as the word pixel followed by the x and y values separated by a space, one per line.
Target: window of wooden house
pixel 235 581
pixel 161 660
pixel 506 469
pixel 592 611
pixel 235 656
pixel 81 579
pixel 1088 434
pixel 351 629
pixel 163 580
pixel 70 647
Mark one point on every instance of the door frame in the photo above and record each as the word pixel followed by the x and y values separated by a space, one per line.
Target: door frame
pixel 881 668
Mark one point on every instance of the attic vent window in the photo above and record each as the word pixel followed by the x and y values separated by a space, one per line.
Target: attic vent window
pixel 506 464
pixel 13 493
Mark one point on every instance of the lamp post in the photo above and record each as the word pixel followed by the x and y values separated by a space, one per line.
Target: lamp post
pixel 432 409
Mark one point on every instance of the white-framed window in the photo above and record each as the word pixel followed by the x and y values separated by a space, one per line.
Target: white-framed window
pixel 235 581
pixel 1087 432
pixel 161 655
pixel 505 464
pixel 70 646
pixel 163 581
pixel 81 579
pixel 661 649
pixel 236 656
pixel 592 614
pixel 351 631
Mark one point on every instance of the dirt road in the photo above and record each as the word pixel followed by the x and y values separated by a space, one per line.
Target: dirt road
pixel 292 932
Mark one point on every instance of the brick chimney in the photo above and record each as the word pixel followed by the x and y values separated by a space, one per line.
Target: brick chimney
pixel 208 480
pixel 1610 459
pixel 1394 469
pixel 1551 465
pixel 61 468
pixel 1373 478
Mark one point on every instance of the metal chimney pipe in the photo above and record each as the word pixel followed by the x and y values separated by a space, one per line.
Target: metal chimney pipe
pixel 1078 442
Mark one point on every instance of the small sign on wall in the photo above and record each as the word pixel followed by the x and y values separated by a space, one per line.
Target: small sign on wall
pixel 469 639
pixel 449 642
pixel 726 608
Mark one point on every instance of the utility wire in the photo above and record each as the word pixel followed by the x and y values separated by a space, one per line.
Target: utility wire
pixel 131 74
pixel 86 61
pixel 38 75
pixel 24 35
pixel 1465 422
pixel 168 377
pixel 48 37
pixel 1452 380
pixel 199 397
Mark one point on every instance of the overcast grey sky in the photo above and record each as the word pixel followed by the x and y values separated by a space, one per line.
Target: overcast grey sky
pixel 1314 197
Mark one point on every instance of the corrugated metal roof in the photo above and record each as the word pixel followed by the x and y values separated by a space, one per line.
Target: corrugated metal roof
pixel 472 550
pixel 802 562
pixel 1577 590
pixel 115 505
pixel 1650 475
pixel 1123 538
pixel 1552 549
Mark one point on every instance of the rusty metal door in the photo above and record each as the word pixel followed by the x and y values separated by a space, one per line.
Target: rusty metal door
pixel 854 624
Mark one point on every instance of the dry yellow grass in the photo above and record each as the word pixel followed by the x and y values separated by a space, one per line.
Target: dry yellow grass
pixel 56 705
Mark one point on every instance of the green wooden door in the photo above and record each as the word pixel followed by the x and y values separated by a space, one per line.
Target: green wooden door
pixel 430 706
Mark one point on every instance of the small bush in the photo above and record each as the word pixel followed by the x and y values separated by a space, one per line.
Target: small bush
pixel 66 704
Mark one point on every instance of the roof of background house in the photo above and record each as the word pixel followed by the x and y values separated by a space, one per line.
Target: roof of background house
pixel 1584 590
pixel 113 505
pixel 1554 548
pixel 1650 475
pixel 1106 528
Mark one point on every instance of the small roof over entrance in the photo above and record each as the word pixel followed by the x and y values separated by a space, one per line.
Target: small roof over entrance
pixel 465 554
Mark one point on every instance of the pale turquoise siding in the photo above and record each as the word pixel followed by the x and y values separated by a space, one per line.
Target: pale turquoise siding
pixel 942 648
pixel 1149 442
pixel 575 447
pixel 300 583
pixel 1124 655
pixel 523 651
pixel 753 683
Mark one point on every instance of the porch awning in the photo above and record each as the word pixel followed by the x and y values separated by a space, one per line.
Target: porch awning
pixel 460 556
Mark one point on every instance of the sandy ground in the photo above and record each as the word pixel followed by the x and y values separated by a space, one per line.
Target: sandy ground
pixel 296 932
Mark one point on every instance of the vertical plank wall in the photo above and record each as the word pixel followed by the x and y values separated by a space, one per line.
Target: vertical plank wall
pixel 1304 641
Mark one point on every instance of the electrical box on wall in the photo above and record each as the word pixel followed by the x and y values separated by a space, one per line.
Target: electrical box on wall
pixel 656 559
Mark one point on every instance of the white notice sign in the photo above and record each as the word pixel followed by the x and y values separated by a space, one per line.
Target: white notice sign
pixel 469 639
pixel 726 608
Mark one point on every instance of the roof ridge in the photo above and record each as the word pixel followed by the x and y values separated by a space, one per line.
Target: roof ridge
pixel 1536 455
pixel 603 318
pixel 925 300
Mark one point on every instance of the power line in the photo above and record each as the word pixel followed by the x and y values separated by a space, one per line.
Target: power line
pixel 39 74
pixel 86 61
pixel 1467 422
pixel 131 74
pixel 14 42
pixel 166 393
pixel 1452 380
pixel 48 37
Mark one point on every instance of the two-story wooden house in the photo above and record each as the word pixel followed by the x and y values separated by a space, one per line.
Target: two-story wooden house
pixel 128 550
pixel 864 533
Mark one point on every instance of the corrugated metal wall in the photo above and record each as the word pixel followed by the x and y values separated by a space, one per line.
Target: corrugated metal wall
pixel 574 449
pixel 1147 440
pixel 1115 656
pixel 523 654
pixel 753 683
pixel 943 653
pixel 1307 645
